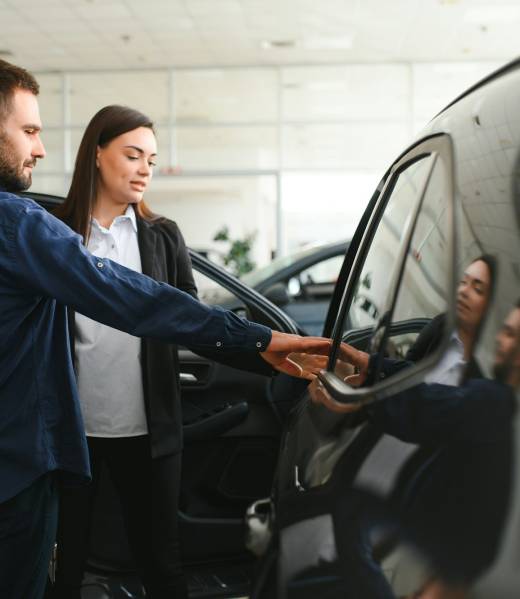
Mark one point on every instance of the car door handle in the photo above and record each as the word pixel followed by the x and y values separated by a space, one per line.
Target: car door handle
pixel 215 423
pixel 188 377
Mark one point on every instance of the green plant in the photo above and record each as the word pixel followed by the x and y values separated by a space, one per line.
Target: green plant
pixel 237 259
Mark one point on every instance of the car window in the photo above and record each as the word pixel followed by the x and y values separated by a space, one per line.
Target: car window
pixel 261 274
pixel 318 279
pixel 212 293
pixel 323 272
pixel 374 281
pixel 425 285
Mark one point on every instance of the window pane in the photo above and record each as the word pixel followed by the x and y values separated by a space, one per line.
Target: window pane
pixel 142 90
pixel 374 281
pixel 423 294
pixel 353 145
pixel 322 273
pixel 53 161
pixel 226 148
pixel 51 100
pixel 351 93
pixel 222 95
pixel 201 206
pixel 321 207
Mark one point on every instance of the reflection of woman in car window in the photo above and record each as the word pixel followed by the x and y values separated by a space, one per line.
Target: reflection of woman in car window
pixel 129 390
pixel 474 294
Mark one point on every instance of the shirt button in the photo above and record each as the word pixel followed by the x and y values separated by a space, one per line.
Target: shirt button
pixel 100 264
pixel 219 343
pixel 258 344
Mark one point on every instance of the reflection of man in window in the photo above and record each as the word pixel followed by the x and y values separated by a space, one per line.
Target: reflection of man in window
pixel 507 371
pixel 507 358
pixel 457 502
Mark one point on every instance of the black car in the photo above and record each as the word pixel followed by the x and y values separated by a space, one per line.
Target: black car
pixel 408 485
pixel 301 284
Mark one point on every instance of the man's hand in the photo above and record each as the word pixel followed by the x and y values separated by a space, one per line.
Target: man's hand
pixel 352 367
pixel 298 356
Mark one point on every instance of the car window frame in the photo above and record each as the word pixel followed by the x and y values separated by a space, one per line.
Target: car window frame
pixel 441 145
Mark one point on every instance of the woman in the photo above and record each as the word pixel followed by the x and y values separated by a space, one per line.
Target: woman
pixel 474 295
pixel 129 389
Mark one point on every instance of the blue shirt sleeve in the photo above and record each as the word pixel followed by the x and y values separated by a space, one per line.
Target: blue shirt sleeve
pixel 50 260
pixel 480 411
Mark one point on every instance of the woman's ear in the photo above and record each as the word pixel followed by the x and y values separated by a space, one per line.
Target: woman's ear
pixel 98 152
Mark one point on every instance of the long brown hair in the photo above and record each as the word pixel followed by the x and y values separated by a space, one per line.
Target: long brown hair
pixel 107 124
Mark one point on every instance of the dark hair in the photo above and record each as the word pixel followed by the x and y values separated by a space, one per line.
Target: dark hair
pixel 107 124
pixel 11 79
pixel 492 266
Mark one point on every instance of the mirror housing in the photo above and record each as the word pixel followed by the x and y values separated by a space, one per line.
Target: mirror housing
pixel 278 294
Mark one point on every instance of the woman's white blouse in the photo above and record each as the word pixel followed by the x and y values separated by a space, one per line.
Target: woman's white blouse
pixel 107 360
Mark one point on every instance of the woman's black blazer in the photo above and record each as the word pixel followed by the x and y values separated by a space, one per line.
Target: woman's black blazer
pixel 165 258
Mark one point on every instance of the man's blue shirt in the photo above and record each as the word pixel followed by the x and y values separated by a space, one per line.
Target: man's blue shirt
pixel 43 268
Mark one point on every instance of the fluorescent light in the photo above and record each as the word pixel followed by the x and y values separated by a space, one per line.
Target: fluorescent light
pixel 311 43
pixel 278 44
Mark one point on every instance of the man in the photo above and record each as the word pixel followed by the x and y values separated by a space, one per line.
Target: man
pixel 469 431
pixel 43 268
pixel 507 370
pixel 507 357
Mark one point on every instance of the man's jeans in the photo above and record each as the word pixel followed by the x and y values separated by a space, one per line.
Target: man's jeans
pixel 27 534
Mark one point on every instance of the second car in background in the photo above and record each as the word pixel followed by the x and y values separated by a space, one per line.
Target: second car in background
pixel 301 284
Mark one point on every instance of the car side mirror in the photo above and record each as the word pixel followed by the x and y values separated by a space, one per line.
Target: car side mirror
pixel 278 294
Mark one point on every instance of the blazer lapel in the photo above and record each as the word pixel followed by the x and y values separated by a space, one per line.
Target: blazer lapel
pixel 147 241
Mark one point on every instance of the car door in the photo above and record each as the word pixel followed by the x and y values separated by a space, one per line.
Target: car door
pixel 400 276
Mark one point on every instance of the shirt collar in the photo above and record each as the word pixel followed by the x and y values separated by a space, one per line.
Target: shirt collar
pixel 456 341
pixel 129 215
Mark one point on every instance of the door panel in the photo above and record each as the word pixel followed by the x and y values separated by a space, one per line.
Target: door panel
pixel 231 442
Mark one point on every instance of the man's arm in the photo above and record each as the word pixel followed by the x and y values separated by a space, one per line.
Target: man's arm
pixel 50 260
pixel 481 410
pixel 307 365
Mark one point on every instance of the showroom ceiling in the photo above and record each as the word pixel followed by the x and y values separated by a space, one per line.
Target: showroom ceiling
pixel 94 34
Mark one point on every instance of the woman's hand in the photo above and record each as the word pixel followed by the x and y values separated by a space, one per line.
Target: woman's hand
pixel 352 365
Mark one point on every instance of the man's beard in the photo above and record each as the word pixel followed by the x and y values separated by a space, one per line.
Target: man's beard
pixel 11 177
